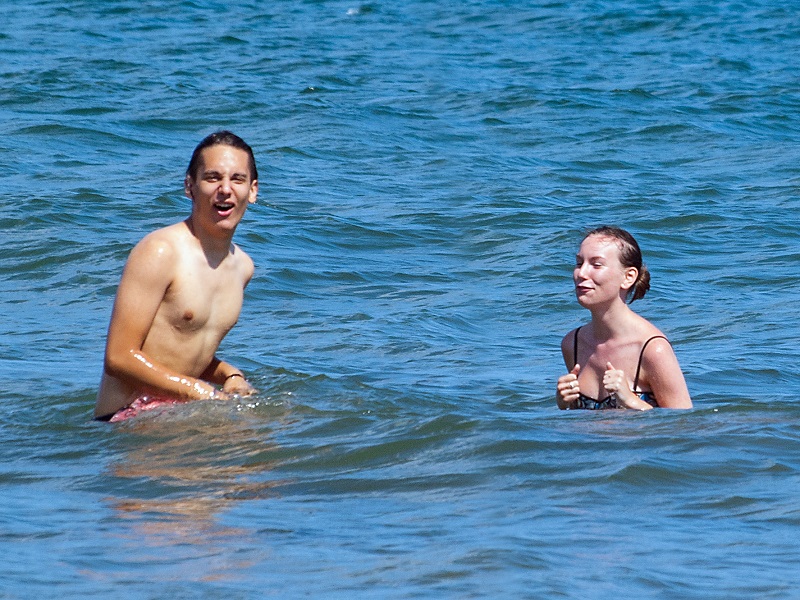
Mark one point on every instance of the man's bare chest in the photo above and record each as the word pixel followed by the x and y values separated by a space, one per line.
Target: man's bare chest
pixel 203 300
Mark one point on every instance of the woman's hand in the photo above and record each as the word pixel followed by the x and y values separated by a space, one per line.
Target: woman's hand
pixel 568 390
pixel 615 382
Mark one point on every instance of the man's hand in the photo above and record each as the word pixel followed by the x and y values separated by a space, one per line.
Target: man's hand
pixel 236 384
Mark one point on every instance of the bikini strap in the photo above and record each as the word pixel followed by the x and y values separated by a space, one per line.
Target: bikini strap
pixel 575 348
pixel 641 356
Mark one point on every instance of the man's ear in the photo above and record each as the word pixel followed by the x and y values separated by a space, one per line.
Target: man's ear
pixel 253 192
pixel 187 187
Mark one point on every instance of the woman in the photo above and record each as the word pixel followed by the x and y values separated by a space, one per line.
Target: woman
pixel 618 360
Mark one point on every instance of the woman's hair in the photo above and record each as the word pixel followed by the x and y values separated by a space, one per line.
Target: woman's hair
pixel 629 255
pixel 222 138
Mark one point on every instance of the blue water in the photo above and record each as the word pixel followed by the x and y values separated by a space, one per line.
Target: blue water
pixel 426 172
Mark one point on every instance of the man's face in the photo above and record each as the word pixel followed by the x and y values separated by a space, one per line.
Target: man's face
pixel 222 187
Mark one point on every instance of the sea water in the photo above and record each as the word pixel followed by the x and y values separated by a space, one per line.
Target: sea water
pixel 426 172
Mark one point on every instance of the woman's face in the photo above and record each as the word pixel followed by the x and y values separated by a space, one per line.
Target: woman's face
pixel 599 275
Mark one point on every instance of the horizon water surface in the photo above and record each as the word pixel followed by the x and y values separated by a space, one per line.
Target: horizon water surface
pixel 426 172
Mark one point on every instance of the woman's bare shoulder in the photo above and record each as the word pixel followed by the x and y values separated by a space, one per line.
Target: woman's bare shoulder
pixel 568 340
pixel 645 330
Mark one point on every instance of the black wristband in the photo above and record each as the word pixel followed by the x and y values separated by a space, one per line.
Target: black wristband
pixel 234 375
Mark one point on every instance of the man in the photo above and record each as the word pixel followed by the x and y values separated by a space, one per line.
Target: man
pixel 181 291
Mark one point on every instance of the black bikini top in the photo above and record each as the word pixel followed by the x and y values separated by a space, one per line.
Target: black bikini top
pixel 610 401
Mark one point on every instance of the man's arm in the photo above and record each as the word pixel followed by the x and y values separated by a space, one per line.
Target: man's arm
pixel 229 377
pixel 220 372
pixel 147 276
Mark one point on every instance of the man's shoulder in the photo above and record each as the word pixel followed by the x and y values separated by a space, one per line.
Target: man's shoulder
pixel 243 259
pixel 239 253
pixel 165 243
pixel 176 234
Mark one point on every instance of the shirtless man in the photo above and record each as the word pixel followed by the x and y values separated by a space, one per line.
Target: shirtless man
pixel 181 291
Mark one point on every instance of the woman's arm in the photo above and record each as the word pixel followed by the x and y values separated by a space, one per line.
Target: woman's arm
pixel 568 389
pixel 662 374
pixel 616 382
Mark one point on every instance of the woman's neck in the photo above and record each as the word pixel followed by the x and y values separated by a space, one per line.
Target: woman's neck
pixel 612 321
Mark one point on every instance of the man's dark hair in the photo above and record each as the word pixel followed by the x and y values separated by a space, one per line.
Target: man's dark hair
pixel 222 138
